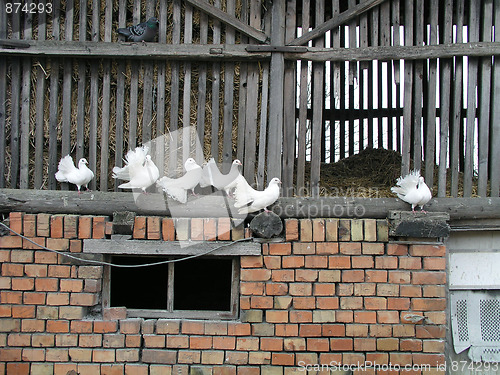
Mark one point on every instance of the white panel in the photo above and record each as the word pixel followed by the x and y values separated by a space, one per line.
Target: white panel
pixel 474 270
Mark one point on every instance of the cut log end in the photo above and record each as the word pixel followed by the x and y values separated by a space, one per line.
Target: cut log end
pixel 266 225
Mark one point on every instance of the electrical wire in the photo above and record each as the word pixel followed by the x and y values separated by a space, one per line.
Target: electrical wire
pixel 98 262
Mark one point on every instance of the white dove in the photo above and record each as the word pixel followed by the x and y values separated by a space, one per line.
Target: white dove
pixel 139 170
pixel 67 172
pixel 212 176
pixel 177 188
pixel 251 200
pixel 413 190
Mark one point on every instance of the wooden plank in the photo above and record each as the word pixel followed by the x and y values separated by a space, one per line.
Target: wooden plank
pixel 275 129
pixel 82 73
pixel 229 19
pixel 105 203
pixel 385 68
pixel 261 163
pixel 290 100
pixel 186 99
pixel 174 89
pixel 252 103
pixel 66 87
pixel 457 122
pixel 334 22
pixel 25 107
pixel 227 146
pixel 418 87
pixel 39 107
pixel 335 80
pixel 303 99
pixel 472 81
pixel 243 90
pixel 216 81
pixel 15 102
pixel 495 124
pixel 408 93
pixel 3 95
pixel 352 76
pixel 167 248
pixel 430 115
pixel 484 103
pixel 445 101
pixel 318 77
pixel 202 91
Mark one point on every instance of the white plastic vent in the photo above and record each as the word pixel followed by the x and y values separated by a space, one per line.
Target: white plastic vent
pixel 475 320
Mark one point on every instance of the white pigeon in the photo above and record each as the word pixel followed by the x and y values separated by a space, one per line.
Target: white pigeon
pixel 139 170
pixel 413 190
pixel 67 172
pixel 212 176
pixel 250 200
pixel 177 188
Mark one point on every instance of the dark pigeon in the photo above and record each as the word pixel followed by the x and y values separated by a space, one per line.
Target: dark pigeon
pixel 143 32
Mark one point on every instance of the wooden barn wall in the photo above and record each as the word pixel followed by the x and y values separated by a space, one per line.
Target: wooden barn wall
pixel 284 115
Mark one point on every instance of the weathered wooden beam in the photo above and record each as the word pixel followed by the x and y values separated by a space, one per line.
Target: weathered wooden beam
pixel 383 53
pixel 167 248
pixel 335 22
pixel 162 51
pixel 229 20
pixel 106 203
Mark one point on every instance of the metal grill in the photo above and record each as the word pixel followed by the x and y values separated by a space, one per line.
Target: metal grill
pixel 490 319
pixel 463 330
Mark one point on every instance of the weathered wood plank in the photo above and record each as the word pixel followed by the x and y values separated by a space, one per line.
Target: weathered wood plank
pixel 106 105
pixel 335 22
pixel 216 82
pixel 495 127
pixel 202 90
pixel 484 102
pixel 445 101
pixel 174 89
pixel 105 203
pixel 472 84
pixel 229 19
pixel 418 87
pixel 261 161
pixel 186 98
pixel 408 93
pixel 66 88
pixel 3 96
pixel 143 247
pixel 15 102
pixel 82 72
pixel 243 91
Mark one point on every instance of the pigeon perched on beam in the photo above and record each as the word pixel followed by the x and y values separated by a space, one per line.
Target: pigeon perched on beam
pixel 139 170
pixel 413 190
pixel 212 176
pixel 67 172
pixel 143 32
pixel 177 188
pixel 250 200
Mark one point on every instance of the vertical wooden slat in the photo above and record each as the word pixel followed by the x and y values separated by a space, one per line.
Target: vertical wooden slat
pixel 385 67
pixel 484 102
pixel 445 100
pixel 342 102
pixel 3 87
pixel 39 107
pixel 147 88
pixel 352 76
pixel 160 99
pixel 134 87
pixel 120 97
pixel 261 163
pixel 174 88
pixel 82 72
pixel 25 108
pixel 473 32
pixel 289 131
pixel 457 103
pixel 317 97
pixel 216 66
pixel 94 95
pixel 202 91
pixel 495 123
pixel 396 64
pixel 418 87
pixel 251 115
pixel 303 98
pixel 430 116
pixel 374 68
pixel 15 105
pixel 335 84
pixel 241 130
pixel 275 131
pixel 186 100
pixel 106 98
pixel 227 146
pixel 54 103
pixel 408 87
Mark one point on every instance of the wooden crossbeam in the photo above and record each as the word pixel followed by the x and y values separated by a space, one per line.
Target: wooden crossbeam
pixel 335 22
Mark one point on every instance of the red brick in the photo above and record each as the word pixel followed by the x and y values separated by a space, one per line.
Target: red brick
pixel 386 262
pixel 365 317
pixel 272 262
pixel 283 275
pixel 257 302
pixel 99 227
pixel 292 344
pixel 316 261
pixel 283 359
pixel 34 298
pixel 318 345
pixel 306 275
pixel 410 345
pixel 410 291
pixel 399 277
pixel 252 288
pixel 153 225
pixel 105 326
pixel 395 303
pixel 428 277
pixel 429 332
pixel 85 227
pixel 386 317
pixel 43 225
pixel 437 264
pixel 71 285
pixel 23 311
pixel 23 284
pixel 362 262
pixel 375 303
pixel 303 303
pixel 11 297
pixel 387 344
pixel 327 248
pixel 35 270
pixel 373 248
pixel 196 229
pixel 365 344
pixel 318 228
pixel 209 229
pixel 341 344
pixel 168 229
pixel 251 261
pixel 18 368
pixel 428 359
pixel 410 263
pixel 58 326
pixel 434 291
pixel 47 284
pixel 139 231
pixel 224 229
pixel 377 358
pixel 428 250
pixel 403 330
pixel 57 226
pixel 57 299
pixel 276 289
pixel 177 341
pixel 304 248
pixel 356 330
pixel 83 299
pixel 353 276
pixel 291 230
pixel 305 230
pixel 276 316
pixel 280 248
pixel 29 225
pixel 255 274
pixel 75 246
pixel 224 342
pixel 287 330
pixel 310 330
pixel 428 304
pixel 247 343
pixel 16 221
pixel 11 269
pixel 364 289
pixel 239 329
pixel 332 227
pixel 301 316
pixel 324 289
pixel 344 316
pixel 339 262
pixel 11 242
pixel 327 303
pixel 400 359
pixel 59 271
pixel 397 249
pixel 193 327
pixel 350 248
pixel 70 226
pixel 293 261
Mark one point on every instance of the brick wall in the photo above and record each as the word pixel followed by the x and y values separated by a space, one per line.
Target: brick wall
pixel 334 292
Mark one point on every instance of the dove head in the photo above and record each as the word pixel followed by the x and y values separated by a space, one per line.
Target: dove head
pixel 421 181
pixel 190 164
pixel 82 161
pixel 152 22
pixel 237 162
pixel 275 181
